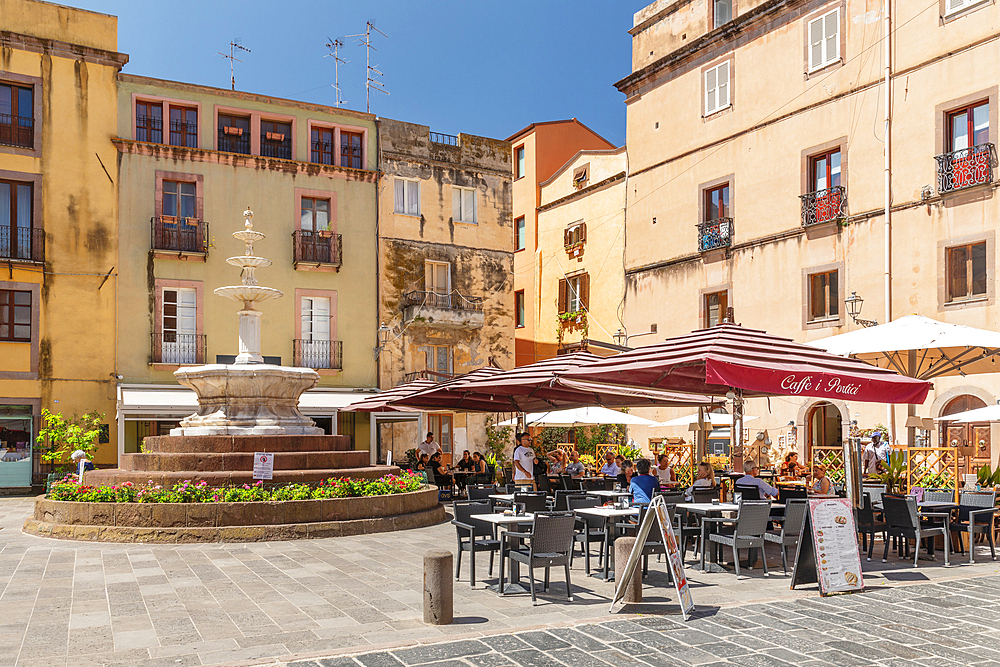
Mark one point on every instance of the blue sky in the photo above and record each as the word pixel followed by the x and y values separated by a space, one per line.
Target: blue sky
pixel 487 68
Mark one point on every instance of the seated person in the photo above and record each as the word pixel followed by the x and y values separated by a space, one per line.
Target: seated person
pixel 643 484
pixel 624 478
pixel 610 468
pixel 791 468
pixel 478 464
pixel 441 476
pixel 80 455
pixel 465 463
pixel 750 479
pixel 821 483
pixel 558 461
pixel 422 463
pixel 574 468
pixel 705 479
pixel 664 472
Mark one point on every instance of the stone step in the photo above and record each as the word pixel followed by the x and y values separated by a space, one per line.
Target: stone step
pixel 236 461
pixel 114 476
pixel 246 443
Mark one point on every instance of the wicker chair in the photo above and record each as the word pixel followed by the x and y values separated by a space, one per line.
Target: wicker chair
pixel 975 515
pixel 532 502
pixel 791 528
pixel 589 528
pixel 673 497
pixel 550 542
pixel 748 533
pixel 939 496
pixel 747 491
pixel 902 521
pixel 874 491
pixel 473 535
pixel 701 494
pixel 480 492
pixel 868 526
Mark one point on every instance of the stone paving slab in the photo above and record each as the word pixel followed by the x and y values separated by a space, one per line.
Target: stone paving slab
pixel 77 603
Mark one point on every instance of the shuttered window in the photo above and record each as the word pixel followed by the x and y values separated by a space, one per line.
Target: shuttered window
pixel 575 233
pixel 953 6
pixel 574 293
pixel 824 40
pixel 717 88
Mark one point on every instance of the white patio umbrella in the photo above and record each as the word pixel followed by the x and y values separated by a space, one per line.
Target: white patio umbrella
pixel 590 416
pixel 716 419
pixel 991 413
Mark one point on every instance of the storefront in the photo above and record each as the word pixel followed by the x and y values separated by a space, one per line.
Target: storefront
pixel 17 435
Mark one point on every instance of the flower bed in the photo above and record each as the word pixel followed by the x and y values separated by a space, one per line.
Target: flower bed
pixel 187 492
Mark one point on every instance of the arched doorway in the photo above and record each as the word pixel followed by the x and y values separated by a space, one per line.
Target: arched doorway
pixel 971 439
pixel 824 428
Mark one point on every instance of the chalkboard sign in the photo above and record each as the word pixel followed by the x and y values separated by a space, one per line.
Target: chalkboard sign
pixel 657 512
pixel 828 548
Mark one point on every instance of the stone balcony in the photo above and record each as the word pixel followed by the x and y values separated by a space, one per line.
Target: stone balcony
pixel 451 310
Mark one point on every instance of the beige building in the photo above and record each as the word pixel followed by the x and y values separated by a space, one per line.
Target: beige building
pixel 445 262
pixel 756 137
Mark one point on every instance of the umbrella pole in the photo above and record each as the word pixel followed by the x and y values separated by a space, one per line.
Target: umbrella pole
pixel 736 434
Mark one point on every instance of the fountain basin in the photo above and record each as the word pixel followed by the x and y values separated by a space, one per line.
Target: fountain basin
pixel 248 293
pixel 249 260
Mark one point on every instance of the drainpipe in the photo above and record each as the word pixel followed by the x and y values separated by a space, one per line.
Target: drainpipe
pixel 373 425
pixel 887 222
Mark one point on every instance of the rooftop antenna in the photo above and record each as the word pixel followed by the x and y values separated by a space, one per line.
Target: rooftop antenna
pixel 335 44
pixel 233 45
pixel 371 83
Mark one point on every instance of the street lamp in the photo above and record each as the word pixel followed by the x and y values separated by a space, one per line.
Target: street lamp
pixel 383 338
pixel 854 303
pixel 620 337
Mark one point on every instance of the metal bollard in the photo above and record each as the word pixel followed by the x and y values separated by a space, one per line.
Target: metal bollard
pixel 633 590
pixel 438 592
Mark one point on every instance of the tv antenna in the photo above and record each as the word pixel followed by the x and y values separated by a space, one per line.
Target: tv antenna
pixel 335 45
pixel 370 82
pixel 233 45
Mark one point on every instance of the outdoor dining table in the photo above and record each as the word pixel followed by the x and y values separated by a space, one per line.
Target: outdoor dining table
pixel 709 509
pixel 609 514
pixel 935 507
pixel 505 520
pixel 610 494
pixel 504 497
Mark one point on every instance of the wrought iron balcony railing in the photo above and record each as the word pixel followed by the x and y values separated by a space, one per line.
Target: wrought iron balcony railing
pixel 183 133
pixel 321 152
pixel 449 301
pixel 25 243
pixel 824 206
pixel 448 139
pixel 17 131
pixel 714 234
pixel 317 247
pixel 436 376
pixel 275 148
pixel 966 168
pixel 176 348
pixel 179 234
pixel 318 353
pixel 234 143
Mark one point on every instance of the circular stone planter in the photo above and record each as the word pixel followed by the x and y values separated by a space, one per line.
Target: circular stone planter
pixel 233 522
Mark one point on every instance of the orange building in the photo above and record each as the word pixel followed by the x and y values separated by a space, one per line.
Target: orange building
pixel 539 150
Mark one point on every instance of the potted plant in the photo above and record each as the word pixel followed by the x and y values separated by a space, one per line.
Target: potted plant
pixel 894 476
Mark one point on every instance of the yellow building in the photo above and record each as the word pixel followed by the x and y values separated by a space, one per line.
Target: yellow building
pixel 58 211
pixel 191 160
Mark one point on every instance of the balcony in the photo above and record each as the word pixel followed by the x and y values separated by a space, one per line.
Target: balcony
pixel 450 310
pixel 824 206
pixel 715 234
pixel 22 243
pixel 180 236
pixel 175 348
pixel 316 249
pixel 275 145
pixel 966 168
pixel 434 376
pixel 231 142
pixel 318 353
pixel 17 131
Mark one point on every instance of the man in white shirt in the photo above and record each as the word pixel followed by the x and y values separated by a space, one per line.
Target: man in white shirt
pixel 524 460
pixel 429 446
pixel 610 469
pixel 869 459
pixel 750 479
pixel 882 448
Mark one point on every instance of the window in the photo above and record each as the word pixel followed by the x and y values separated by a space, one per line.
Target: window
pixel 437 283
pixel 723 12
pixel 315 214
pixel 234 134
pixel 179 333
pixel 17 239
pixel 350 149
pixel 276 139
pixel 969 127
pixel 824 301
pixel 824 40
pixel 825 171
pixel 463 205
pixel 519 162
pixel 717 88
pixel 953 6
pixel 17 116
pixel 322 145
pixel 580 176
pixel 149 122
pixel 519 230
pixel 574 293
pixel 519 308
pixel 180 199
pixel 716 307
pixel 438 359
pixel 717 203
pixel 574 234
pixel 407 197
pixel 183 127
pixel 314 347
pixel 15 316
pixel 967 272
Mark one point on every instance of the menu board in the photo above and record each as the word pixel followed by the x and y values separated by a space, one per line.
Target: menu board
pixel 828 548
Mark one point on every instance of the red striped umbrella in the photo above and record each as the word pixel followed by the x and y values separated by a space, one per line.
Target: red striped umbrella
pixel 534 388
pixel 726 357
pixel 380 401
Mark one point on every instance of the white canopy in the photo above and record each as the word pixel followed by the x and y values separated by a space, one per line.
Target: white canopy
pixel 991 413
pixel 920 347
pixel 715 418
pixel 590 416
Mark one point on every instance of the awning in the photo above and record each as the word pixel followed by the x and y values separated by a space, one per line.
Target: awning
pixel 174 400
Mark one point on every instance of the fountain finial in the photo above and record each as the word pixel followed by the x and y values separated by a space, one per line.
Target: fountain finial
pixel 248 218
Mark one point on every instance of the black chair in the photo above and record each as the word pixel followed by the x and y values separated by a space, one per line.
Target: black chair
pixel 473 535
pixel 702 494
pixel 791 528
pixel 747 491
pixel 589 528
pixel 542 484
pixel 593 484
pixel 550 542
pixel 786 493
pixel 560 503
pixel 672 497
pixel 747 532
pixel 481 491
pixel 868 526
pixel 444 486
pixel 566 482
pixel 532 502
pixel 975 516
pixel 903 522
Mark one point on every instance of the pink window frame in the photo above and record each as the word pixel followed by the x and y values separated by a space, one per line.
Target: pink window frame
pixel 197 179
pixel 315 194
pixel 336 127
pixel 199 321
pixel 166 102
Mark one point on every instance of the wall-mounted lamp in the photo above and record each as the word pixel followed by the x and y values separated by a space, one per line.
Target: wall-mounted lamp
pixel 383 338
pixel 854 303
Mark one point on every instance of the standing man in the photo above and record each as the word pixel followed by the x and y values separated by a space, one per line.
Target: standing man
pixel 429 446
pixel 524 460
pixel 869 458
pixel 882 448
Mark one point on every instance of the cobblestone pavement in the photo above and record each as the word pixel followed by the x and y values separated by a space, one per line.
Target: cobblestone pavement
pixel 84 604
pixel 945 624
